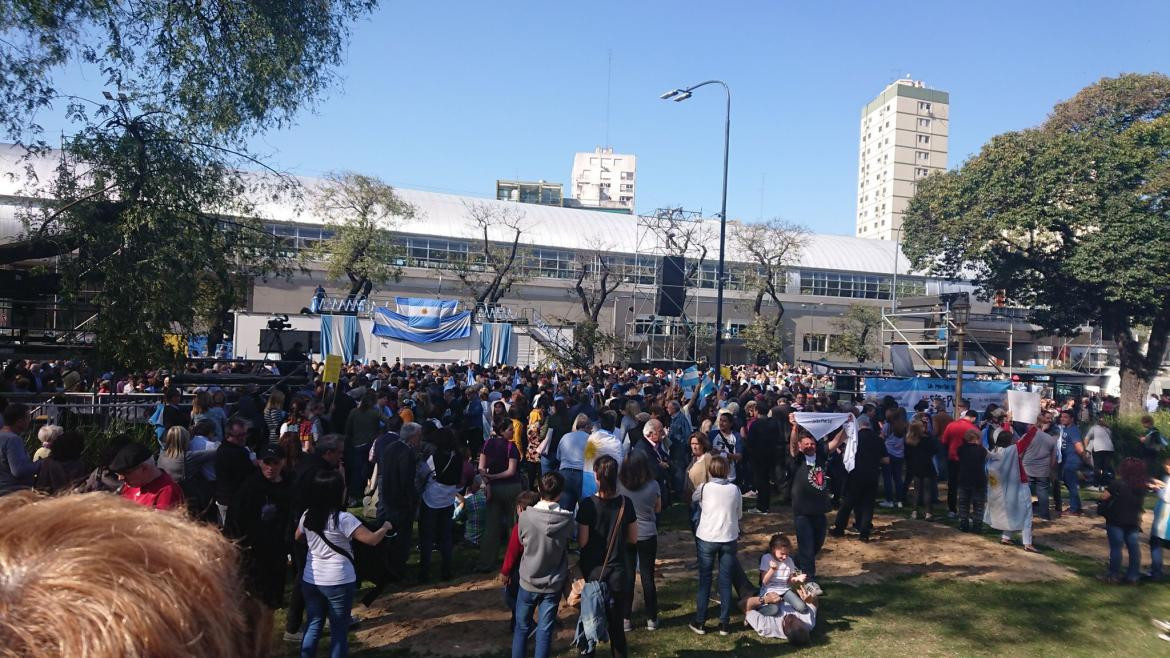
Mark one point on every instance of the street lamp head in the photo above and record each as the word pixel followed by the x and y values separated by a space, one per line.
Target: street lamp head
pixel 961 309
pixel 671 94
pixel 682 97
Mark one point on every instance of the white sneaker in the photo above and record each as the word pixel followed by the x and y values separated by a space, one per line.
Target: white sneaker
pixel 651 624
pixel 1161 625
pixel 294 637
pixel 627 625
pixel 898 505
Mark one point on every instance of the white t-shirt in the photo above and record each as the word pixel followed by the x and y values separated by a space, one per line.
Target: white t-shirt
pixel 779 581
pixel 437 495
pixel 323 565
pixel 773 626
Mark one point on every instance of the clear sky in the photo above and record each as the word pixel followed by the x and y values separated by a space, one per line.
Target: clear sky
pixel 450 96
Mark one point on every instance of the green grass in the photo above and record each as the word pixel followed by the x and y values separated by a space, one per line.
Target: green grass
pixel 917 615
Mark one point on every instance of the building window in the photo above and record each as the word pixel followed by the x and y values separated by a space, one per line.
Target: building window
pixel 734 329
pixel 605 186
pixel 627 175
pixel 626 187
pixel 922 156
pixel 815 343
pixel 626 199
pixel 923 106
pixel 921 172
pixel 856 286
pixel 923 123
pixel 924 139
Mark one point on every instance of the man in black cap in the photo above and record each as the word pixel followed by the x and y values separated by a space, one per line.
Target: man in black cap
pixel 145 483
pixel 259 519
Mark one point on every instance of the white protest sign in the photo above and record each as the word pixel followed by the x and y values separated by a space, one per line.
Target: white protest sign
pixel 1024 405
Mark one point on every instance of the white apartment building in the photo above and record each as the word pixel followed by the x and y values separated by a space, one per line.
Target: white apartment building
pixel 903 139
pixel 604 179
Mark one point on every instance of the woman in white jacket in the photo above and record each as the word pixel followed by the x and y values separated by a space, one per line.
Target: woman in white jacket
pixel 720 509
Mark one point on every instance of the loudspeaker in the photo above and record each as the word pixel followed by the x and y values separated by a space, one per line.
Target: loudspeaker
pixel 672 287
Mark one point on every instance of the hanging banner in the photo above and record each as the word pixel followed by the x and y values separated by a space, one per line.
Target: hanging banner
pixel 907 392
pixel 819 425
pixel 390 324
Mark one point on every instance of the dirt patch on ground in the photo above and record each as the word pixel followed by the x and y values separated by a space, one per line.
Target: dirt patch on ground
pixel 467 617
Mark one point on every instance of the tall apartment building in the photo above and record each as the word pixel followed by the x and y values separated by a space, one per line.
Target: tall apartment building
pixel 604 180
pixel 903 140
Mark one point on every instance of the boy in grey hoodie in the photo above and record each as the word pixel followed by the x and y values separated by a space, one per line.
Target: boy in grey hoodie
pixel 544 531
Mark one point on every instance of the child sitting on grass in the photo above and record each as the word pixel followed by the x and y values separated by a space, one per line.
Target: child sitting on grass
pixel 778 572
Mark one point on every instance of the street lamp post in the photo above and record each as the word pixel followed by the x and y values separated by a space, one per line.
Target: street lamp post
pixel 679 95
pixel 960 314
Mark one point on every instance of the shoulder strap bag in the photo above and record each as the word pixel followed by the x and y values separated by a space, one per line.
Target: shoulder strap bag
pixel 612 538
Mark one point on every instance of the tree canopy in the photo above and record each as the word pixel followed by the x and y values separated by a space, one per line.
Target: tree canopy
pixel 362 212
pixel 149 215
pixel 1071 219
pixel 858 333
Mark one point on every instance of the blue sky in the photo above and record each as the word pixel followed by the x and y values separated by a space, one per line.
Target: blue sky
pixel 450 96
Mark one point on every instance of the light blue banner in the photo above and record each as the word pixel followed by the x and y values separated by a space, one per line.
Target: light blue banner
pixel 909 391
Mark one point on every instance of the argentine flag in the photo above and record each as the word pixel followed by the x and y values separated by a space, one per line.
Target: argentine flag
pixel 424 313
pixel 690 378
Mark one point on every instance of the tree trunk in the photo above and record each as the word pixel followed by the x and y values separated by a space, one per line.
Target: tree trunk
pixel 1134 389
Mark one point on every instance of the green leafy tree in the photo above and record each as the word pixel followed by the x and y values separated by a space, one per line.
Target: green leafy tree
pixel 1071 219
pixel 149 210
pixel 362 212
pixel 762 337
pixel 858 333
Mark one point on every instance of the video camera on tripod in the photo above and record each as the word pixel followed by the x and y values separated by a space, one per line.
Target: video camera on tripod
pixel 279 323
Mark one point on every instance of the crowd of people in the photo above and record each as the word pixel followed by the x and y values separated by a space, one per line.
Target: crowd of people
pixel 531 467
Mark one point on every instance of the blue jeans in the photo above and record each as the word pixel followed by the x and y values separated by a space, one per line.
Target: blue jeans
pixel 709 552
pixel 545 606
pixel 810 537
pixel 548 464
pixel 1128 536
pixel 572 491
pixel 1156 546
pixel 892 480
pixel 1040 488
pixel 332 600
pixel 1069 477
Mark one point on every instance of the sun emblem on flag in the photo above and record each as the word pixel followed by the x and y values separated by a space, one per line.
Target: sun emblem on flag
pixel 992 480
pixel 423 311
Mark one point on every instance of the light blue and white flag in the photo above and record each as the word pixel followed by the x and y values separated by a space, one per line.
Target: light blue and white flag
pixel 389 324
pixel 425 313
pixel 690 377
pixel 338 336
pixel 470 376
pixel 705 389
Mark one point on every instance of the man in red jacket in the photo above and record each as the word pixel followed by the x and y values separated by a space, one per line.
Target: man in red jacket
pixel 145 483
pixel 952 438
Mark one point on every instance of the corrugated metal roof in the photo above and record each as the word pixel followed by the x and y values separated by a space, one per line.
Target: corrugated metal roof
pixel 446 215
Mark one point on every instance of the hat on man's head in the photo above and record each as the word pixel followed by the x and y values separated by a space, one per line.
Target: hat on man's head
pixel 270 452
pixel 997 414
pixel 129 457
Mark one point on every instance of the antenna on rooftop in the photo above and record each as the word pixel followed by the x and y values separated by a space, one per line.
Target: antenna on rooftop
pixel 608 90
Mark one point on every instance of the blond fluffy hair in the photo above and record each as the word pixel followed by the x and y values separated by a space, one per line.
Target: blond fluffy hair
pixel 95 575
